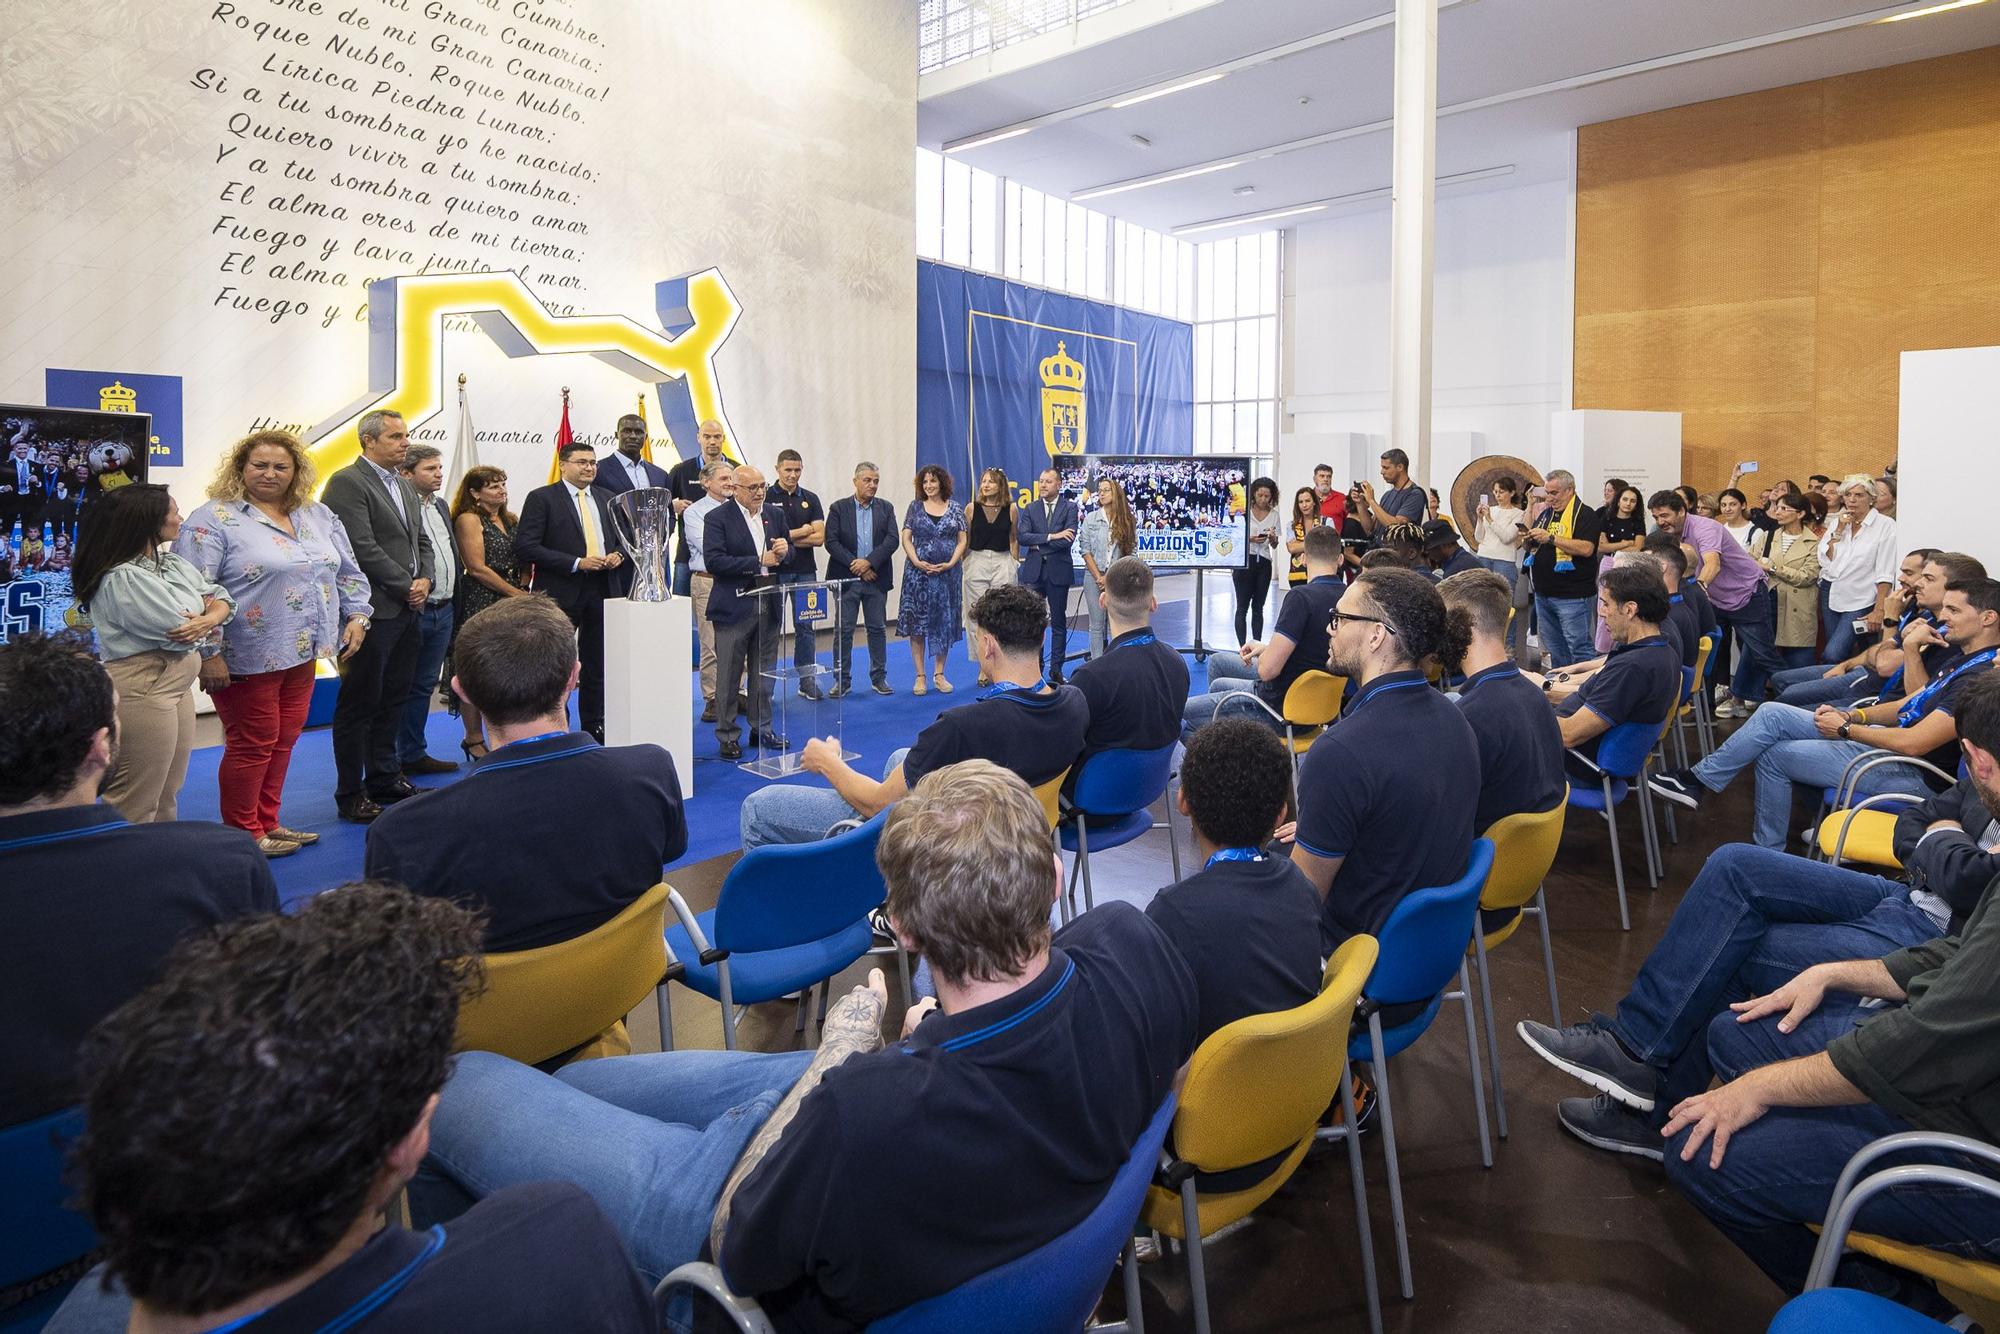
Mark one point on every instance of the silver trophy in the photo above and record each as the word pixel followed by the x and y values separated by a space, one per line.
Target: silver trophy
pixel 641 521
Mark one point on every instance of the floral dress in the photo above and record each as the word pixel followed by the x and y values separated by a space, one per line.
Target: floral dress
pixel 293 591
pixel 475 596
pixel 931 602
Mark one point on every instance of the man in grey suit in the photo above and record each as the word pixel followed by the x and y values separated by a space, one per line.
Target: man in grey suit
pixel 861 541
pixel 1046 528
pixel 384 521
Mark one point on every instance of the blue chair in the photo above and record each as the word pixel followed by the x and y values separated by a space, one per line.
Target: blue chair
pixel 1053 1287
pixel 42 1240
pixel 1116 789
pixel 1423 948
pixel 1620 765
pixel 1845 1311
pixel 789 917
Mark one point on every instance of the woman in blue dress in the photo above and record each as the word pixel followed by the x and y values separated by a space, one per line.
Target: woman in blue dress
pixel 934 539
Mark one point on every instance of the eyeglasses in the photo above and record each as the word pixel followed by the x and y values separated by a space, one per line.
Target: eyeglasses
pixel 1339 616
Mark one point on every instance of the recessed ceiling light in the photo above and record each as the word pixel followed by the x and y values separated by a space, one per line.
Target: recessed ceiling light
pixel 1243 190
pixel 1931 9
pixel 1142 141
pixel 1154 180
pixel 986 139
pixel 1162 92
pixel 1254 217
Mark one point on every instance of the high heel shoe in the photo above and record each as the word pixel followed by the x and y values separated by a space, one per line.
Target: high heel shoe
pixel 921 688
pixel 944 686
pixel 474 750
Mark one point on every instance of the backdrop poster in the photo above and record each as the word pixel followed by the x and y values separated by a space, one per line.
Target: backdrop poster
pixel 1012 376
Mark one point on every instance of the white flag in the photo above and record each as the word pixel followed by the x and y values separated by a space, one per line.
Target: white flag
pixel 466 456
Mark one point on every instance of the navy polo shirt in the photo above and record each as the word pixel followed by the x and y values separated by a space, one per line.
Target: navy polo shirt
pixel 1388 789
pixel 1704 610
pixel 1638 683
pixel 1136 690
pixel 1035 736
pixel 800 508
pixel 551 836
pixel 1302 618
pixel 1458 562
pixel 983 1135
pixel 1249 933
pixel 92 906
pixel 1683 628
pixel 1520 744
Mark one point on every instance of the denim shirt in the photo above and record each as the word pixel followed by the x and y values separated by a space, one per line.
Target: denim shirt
pixel 292 594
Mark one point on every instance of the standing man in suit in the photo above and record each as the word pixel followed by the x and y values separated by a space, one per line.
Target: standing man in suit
pixel 384 521
pixel 743 543
pixel 424 467
pixel 804 520
pixel 565 533
pixel 685 481
pixel 21 491
pixel 1046 529
pixel 624 470
pixel 861 538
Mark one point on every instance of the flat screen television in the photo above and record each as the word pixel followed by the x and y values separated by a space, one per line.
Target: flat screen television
pixel 55 463
pixel 1189 509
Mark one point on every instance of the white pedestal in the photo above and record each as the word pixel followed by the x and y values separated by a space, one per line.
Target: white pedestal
pixel 648 683
pixel 1599 443
pixel 1948 449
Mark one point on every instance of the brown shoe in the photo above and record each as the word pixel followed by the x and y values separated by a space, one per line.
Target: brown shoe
pixel 298 836
pixel 273 846
pixel 428 765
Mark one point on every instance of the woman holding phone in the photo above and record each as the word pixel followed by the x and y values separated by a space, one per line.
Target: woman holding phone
pixel 1253 580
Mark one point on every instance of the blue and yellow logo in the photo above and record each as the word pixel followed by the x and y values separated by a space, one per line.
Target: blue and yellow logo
pixel 1062 403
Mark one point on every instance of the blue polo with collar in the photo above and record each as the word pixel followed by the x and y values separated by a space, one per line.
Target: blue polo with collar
pixel 1520 744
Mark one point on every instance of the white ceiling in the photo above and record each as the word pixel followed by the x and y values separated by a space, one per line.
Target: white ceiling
pixel 1486 49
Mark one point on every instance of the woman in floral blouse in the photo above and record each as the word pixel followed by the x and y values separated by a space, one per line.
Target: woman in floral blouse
pixel 285 562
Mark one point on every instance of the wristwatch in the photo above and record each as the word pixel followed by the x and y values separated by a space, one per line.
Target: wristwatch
pixel 1843 730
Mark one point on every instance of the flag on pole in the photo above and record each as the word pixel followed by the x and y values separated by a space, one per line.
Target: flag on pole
pixel 645 450
pixel 564 436
pixel 465 457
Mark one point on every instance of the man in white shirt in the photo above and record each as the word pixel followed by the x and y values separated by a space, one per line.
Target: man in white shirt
pixel 627 468
pixel 1858 559
pixel 718 481
pixel 423 465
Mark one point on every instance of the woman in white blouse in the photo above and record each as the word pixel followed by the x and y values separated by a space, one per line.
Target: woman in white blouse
pixel 1253 579
pixel 155 616
pixel 1858 561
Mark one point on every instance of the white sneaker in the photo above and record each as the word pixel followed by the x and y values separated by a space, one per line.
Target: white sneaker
pixel 1726 709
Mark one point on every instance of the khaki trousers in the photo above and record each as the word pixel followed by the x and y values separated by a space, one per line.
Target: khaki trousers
pixel 984 570
pixel 699 587
pixel 155 732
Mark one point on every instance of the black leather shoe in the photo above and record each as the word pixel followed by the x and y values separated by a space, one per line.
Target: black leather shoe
pixel 391 793
pixel 769 740
pixel 428 765
pixel 731 751
pixel 708 712
pixel 810 691
pixel 359 810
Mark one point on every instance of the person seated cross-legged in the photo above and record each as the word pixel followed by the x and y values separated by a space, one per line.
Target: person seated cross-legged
pixel 250 1115
pixel 1020 722
pixel 1752 920
pixel 1298 644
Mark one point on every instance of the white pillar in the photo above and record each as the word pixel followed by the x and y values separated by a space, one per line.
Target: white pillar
pixel 1413 188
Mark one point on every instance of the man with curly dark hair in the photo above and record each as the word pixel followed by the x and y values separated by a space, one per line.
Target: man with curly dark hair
pixel 92 904
pixel 251 1114
pixel 1246 922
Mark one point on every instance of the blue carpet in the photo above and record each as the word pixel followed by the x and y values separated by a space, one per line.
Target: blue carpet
pixel 875 725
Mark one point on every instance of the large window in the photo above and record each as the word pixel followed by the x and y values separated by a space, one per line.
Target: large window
pixel 1237 282
pixel 949 31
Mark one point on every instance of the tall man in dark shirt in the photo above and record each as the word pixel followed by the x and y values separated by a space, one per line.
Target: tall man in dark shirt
pixel 1137 686
pixel 1640 681
pixel 803 518
pixel 1683 624
pixel 1385 805
pixel 1520 745
pixel 506 836
pixel 1402 501
pixel 684 480
pixel 92 905
pixel 1298 644
pixel 1562 540
pixel 202 1092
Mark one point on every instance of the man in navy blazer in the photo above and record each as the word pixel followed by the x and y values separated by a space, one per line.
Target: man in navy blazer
pixel 867 561
pixel 624 470
pixel 1046 528
pixel 745 627
pixel 574 566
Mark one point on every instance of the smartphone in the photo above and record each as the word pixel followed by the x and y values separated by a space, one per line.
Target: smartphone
pixel 1860 627
pixel 1746 467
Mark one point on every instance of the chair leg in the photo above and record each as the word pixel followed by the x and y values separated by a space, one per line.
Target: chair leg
pixel 1135 1315
pixel 666 1010
pixel 1381 1068
pixel 1548 957
pixel 825 995
pixel 728 1008
pixel 1472 1063
pixel 1360 1184
pixel 1649 827
pixel 1617 859
pixel 1492 1035
pixel 1083 857
pixel 1173 843
pixel 903 973
pixel 1197 1276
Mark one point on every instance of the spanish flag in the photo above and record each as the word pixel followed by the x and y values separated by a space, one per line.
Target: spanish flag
pixel 564 436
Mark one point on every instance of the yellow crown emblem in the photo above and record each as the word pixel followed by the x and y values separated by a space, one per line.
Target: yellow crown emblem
pixel 115 397
pixel 1062 371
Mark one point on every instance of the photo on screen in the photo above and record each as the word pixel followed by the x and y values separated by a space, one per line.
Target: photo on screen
pixel 1189 509
pixel 55 463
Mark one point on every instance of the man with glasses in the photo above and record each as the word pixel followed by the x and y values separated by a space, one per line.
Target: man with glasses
pixel 1562 540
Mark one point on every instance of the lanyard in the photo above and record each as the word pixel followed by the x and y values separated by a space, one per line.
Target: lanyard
pixel 1136 640
pixel 1007 687
pixel 1234 855
pixel 1373 691
pixel 531 740
pixel 368 1305
pixel 1918 705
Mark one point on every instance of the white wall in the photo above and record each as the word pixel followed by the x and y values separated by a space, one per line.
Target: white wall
pixel 1948 450
pixel 1501 323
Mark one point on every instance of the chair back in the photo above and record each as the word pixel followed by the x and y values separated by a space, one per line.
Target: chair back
pixel 1256 1087
pixel 1622 750
pixel 1119 782
pixel 1687 684
pixel 1056 1285
pixel 1423 942
pixel 38 1232
pixel 542 1002
pixel 783 895
pixel 1524 848
pixel 1313 699
pixel 1050 795
pixel 1701 655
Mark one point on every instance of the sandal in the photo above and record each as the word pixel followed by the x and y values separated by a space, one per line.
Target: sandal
pixel 474 750
pixel 921 688
pixel 944 686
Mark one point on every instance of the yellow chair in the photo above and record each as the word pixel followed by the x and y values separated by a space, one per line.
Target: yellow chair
pixel 538 1004
pixel 1312 701
pixel 1524 848
pixel 1864 832
pixel 1695 708
pixel 1050 795
pixel 1256 1090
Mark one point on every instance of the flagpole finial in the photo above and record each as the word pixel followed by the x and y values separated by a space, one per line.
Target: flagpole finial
pixel 565 392
pixel 461 379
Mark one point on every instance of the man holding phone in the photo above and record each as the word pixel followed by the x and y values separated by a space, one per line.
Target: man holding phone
pixel 1563 568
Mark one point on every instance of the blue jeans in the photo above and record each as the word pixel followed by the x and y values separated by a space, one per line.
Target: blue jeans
pixel 1230 680
pixel 1808 685
pixel 652 1138
pixel 786 813
pixel 1755 627
pixel 1564 624
pixel 1509 570
pixel 1779 1171
pixel 1751 921
pixel 683 578
pixel 805 643
pixel 433 629
pixel 1786 748
pixel 1841 641
pixel 862 602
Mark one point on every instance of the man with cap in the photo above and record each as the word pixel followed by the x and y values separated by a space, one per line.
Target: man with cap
pixel 1443 552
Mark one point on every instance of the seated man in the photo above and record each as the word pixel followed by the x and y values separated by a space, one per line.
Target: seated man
pixel 1852 677
pixel 1405 541
pixel 204 1098
pixel 1135 697
pixel 1020 722
pixel 1520 743
pixel 1246 923
pixel 1750 921
pixel 1444 555
pixel 1791 745
pixel 506 836
pixel 1682 625
pixel 1297 645
pixel 1385 797
pixel 1640 681
pixel 982 1100
pixel 1920 650
pixel 92 904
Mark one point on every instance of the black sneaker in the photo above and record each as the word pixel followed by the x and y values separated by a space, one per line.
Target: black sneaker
pixel 878 922
pixel 881 687
pixel 1603 1123
pixel 1592 1054
pixel 1680 786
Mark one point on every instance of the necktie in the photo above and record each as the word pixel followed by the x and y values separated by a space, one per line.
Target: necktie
pixel 593 545
pixel 1048 511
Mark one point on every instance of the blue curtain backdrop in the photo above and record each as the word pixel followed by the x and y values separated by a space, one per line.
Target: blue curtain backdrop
pixel 1010 376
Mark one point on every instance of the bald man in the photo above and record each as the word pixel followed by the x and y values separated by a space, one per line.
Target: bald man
pixel 743 543
pixel 684 480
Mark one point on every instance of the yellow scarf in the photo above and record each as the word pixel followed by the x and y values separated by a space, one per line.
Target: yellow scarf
pixel 1563 527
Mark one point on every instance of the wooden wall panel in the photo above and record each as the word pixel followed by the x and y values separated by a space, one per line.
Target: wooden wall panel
pixel 1758 263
